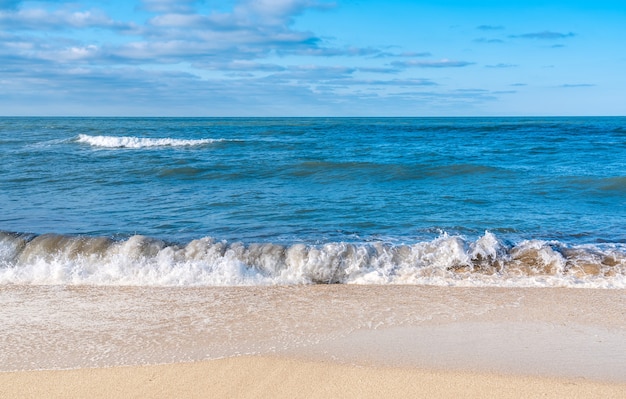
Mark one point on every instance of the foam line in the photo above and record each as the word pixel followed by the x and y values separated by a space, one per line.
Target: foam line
pixel 447 260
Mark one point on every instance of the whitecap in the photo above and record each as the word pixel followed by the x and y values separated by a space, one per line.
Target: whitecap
pixel 447 260
pixel 140 142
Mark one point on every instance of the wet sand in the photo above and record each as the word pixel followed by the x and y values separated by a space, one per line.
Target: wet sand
pixel 312 341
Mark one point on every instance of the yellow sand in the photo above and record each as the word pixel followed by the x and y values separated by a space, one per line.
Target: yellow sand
pixel 267 377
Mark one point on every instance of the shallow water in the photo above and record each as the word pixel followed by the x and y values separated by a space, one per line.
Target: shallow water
pixel 548 331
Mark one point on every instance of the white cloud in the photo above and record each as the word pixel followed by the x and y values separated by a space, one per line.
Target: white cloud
pixel 274 12
pixel 39 19
pixel 490 27
pixel 443 63
pixel 250 56
pixel 502 65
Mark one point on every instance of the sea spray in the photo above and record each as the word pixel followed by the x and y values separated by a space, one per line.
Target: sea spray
pixel 446 260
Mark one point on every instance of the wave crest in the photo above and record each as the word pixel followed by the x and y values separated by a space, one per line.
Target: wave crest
pixel 140 142
pixel 447 260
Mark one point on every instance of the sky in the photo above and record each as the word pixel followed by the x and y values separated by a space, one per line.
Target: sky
pixel 312 58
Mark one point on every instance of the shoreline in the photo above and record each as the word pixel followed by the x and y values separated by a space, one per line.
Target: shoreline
pixel 86 341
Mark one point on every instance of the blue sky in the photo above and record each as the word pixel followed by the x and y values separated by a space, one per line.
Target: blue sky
pixel 312 58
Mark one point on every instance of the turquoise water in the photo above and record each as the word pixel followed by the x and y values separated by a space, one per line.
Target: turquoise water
pixel 487 188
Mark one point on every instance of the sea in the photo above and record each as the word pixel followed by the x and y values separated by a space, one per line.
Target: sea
pixel 170 202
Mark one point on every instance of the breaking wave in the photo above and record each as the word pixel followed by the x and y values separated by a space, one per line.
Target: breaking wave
pixel 140 142
pixel 448 260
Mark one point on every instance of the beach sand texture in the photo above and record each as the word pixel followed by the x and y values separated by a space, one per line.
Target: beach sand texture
pixel 262 377
pixel 311 341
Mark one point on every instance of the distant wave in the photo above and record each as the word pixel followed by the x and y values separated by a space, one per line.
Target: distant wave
pixel 447 260
pixel 140 142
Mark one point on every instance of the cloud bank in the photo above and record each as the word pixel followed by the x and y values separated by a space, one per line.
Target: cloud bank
pixel 251 57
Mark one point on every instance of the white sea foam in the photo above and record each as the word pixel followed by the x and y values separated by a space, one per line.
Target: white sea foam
pixel 140 142
pixel 447 260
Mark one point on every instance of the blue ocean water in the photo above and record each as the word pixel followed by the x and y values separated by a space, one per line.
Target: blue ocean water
pixel 260 200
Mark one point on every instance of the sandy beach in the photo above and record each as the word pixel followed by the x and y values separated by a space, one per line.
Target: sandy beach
pixel 263 377
pixel 311 341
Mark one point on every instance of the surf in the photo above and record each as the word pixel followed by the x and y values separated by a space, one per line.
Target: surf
pixel 133 142
pixel 55 259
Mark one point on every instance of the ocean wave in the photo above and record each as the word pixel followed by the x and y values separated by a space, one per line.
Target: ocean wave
pixel 52 259
pixel 140 142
